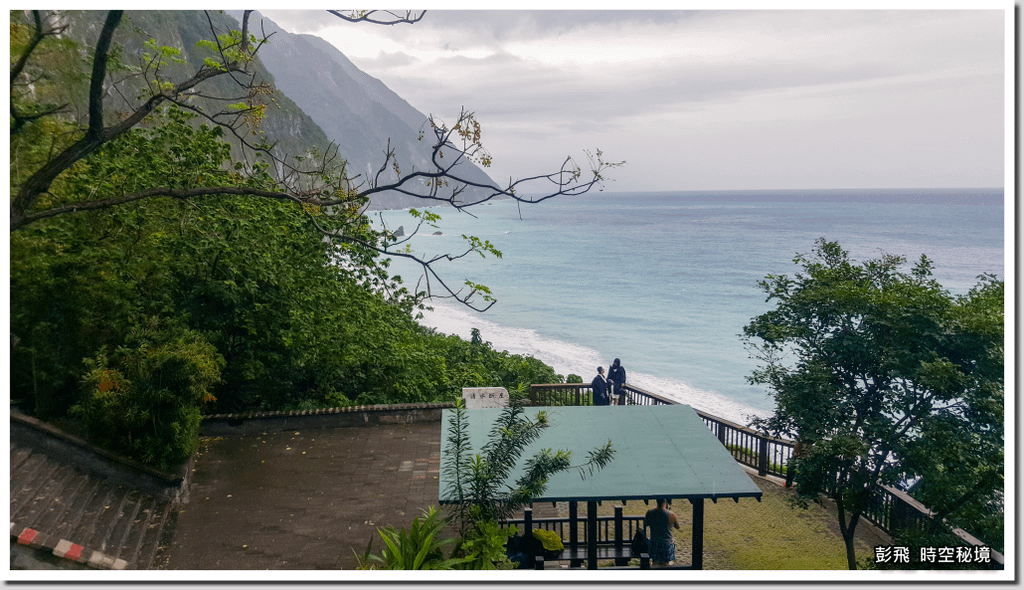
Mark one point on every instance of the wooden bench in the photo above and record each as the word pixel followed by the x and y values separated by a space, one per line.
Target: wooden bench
pixel 604 552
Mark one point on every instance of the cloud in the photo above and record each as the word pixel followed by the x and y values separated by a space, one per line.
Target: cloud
pixel 770 82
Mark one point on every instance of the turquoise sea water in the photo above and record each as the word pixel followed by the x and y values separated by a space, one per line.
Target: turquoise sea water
pixel 666 281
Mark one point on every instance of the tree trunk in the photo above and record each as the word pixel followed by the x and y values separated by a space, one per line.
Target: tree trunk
pixel 851 557
pixel 848 531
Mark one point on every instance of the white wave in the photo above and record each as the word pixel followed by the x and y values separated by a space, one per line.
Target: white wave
pixel 706 401
pixel 566 358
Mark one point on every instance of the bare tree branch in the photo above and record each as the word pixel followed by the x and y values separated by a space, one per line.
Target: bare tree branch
pixel 97 135
pixel 320 185
pixel 368 16
pixel 99 73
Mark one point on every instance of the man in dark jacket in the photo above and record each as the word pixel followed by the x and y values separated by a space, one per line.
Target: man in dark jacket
pixel 617 375
pixel 600 388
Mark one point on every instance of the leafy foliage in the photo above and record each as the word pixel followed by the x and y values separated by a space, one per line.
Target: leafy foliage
pixel 421 548
pixel 873 368
pixel 549 540
pixel 145 400
pixel 483 546
pixel 130 210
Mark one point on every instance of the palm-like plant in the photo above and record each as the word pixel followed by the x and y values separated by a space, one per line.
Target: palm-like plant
pixel 421 548
pixel 478 487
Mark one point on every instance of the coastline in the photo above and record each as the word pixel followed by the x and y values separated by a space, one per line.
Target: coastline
pixel 568 358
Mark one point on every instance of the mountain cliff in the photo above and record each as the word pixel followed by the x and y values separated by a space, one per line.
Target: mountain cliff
pixel 293 130
pixel 356 111
pixel 321 97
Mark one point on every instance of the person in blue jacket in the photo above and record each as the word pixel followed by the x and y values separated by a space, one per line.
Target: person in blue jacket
pixel 600 388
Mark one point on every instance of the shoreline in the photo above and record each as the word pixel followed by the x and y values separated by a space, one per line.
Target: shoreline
pixel 570 358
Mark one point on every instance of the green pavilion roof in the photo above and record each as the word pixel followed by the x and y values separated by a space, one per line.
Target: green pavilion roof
pixel 663 451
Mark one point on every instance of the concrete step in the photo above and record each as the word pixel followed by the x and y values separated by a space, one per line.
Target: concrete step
pixel 64 502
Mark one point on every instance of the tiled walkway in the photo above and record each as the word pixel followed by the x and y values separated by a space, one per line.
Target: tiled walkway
pixel 303 500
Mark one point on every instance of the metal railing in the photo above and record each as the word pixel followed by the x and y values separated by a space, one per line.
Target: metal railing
pixel 610 538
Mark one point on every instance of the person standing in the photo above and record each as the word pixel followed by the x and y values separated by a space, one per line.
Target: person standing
pixel 617 375
pixel 600 389
pixel 663 545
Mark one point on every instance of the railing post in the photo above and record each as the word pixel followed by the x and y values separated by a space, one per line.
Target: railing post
pixel 527 534
pixel 762 459
pixel 618 537
pixel 574 531
pixel 591 534
pixel 721 432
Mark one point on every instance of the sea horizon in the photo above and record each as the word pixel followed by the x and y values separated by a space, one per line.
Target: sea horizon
pixel 666 280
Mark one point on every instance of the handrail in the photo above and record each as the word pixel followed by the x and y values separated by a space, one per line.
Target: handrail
pixel 889 508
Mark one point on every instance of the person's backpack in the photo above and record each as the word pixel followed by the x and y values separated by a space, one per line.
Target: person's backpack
pixel 639 544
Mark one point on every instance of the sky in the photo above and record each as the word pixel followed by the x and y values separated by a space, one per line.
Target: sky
pixel 710 99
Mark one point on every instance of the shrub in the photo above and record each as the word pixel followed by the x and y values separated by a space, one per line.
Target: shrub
pixel 483 546
pixel 145 400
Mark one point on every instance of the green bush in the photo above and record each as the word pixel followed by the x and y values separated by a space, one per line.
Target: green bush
pixel 484 546
pixel 145 400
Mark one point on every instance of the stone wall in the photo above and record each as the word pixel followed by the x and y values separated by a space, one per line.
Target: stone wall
pixel 257 422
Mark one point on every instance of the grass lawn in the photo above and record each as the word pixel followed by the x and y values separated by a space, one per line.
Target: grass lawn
pixel 765 535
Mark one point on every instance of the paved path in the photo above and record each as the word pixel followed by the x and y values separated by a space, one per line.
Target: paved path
pixel 303 499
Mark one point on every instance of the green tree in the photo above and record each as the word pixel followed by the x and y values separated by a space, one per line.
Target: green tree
pixel 872 368
pixel 76 131
pixel 421 548
pixel 131 211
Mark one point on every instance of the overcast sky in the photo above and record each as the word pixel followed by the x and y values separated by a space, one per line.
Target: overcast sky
pixel 703 99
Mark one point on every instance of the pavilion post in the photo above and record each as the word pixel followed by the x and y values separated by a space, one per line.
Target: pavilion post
pixel 574 532
pixel 591 534
pixel 538 561
pixel 618 528
pixel 697 561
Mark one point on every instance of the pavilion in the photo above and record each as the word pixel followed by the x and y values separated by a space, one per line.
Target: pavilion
pixel 663 451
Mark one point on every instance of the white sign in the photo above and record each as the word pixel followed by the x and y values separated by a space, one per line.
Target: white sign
pixel 478 398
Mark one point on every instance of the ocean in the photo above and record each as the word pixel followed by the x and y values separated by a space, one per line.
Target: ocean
pixel 666 281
